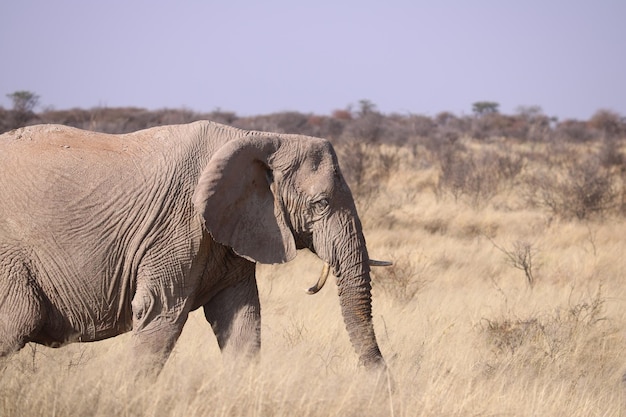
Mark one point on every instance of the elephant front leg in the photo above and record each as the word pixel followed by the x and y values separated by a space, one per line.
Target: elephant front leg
pixel 235 316
pixel 158 320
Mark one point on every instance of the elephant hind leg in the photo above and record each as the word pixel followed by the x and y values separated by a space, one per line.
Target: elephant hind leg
pixel 21 309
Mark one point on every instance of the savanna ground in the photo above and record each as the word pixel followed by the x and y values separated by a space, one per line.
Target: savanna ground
pixel 506 298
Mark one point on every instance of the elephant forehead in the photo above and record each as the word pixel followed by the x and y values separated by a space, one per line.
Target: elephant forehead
pixel 318 155
pixel 318 162
pixel 317 176
pixel 311 166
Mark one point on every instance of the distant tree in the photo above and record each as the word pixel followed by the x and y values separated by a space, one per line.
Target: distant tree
pixel 24 101
pixel 573 130
pixel 485 107
pixel 608 122
pixel 529 112
pixel 342 114
pixel 366 107
pixel 535 124
pixel 445 118
pixel 369 123
pixel 448 128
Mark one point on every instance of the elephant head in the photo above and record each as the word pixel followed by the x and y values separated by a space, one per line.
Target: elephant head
pixel 266 196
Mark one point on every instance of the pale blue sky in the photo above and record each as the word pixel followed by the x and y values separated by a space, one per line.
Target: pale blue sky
pixel 569 57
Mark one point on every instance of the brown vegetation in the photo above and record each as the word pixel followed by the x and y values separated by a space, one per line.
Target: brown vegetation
pixel 506 296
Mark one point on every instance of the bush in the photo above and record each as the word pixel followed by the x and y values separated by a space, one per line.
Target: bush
pixel 608 123
pixel 366 168
pixel 585 189
pixel 574 131
pixel 402 280
pixel 477 176
pixel 556 337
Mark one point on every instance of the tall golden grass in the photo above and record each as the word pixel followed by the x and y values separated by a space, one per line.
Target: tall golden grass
pixel 464 330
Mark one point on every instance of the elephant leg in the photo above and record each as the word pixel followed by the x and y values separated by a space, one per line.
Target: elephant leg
pixel 21 310
pixel 235 316
pixel 158 320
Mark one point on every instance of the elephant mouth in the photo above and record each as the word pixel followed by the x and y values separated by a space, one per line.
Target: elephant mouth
pixel 304 241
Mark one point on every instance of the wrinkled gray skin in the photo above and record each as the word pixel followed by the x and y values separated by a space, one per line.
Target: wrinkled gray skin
pixel 104 234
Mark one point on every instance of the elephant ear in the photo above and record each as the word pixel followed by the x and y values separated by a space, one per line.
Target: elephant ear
pixel 234 197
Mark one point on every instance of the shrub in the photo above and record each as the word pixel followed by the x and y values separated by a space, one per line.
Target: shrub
pixel 608 123
pixel 585 189
pixel 611 156
pixel 573 131
pixel 522 256
pixel 342 114
pixel 476 176
pixel 558 336
pixel 366 168
pixel 402 280
pixel 366 128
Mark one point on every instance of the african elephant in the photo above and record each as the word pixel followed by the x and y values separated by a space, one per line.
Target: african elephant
pixel 103 234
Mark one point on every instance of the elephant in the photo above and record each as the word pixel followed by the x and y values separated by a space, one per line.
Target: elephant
pixel 103 234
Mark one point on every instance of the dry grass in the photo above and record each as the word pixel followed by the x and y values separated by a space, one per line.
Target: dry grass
pixel 463 331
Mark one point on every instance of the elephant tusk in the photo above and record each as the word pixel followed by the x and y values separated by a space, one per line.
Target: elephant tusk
pixel 374 262
pixel 326 270
pixel 321 281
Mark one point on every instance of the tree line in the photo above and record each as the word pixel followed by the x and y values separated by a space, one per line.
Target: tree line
pixel 362 122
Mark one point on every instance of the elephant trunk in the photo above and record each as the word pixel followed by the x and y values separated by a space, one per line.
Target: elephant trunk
pixel 346 252
pixel 356 307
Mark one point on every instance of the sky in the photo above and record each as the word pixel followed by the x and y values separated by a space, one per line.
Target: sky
pixel 261 57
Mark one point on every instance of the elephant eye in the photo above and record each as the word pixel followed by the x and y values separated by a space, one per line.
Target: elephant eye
pixel 320 206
